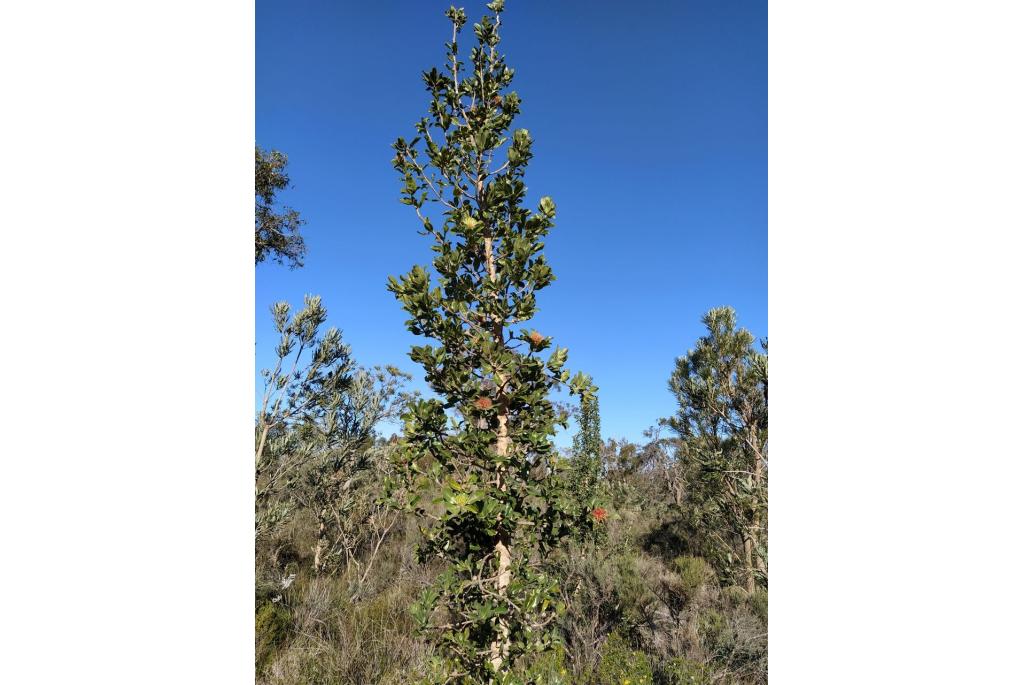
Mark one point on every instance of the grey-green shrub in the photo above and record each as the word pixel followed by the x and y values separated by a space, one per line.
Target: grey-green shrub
pixel 715 632
pixel 694 573
pixel 759 603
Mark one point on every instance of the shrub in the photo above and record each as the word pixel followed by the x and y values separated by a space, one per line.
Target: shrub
pixel 636 600
pixel 550 668
pixel 622 665
pixel 715 633
pixel 735 596
pixel 682 671
pixel 759 603
pixel 343 641
pixel 272 625
pixel 694 573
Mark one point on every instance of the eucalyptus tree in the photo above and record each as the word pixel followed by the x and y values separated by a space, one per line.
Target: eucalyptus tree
pixel 721 386
pixel 483 449
pixel 277 232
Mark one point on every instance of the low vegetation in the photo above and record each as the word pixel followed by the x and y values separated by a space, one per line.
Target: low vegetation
pixel 637 600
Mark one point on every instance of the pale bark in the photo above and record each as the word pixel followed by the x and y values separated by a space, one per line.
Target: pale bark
pixel 755 524
pixel 321 544
pixel 500 646
pixel 748 556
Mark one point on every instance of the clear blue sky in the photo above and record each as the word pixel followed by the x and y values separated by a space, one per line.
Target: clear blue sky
pixel 650 121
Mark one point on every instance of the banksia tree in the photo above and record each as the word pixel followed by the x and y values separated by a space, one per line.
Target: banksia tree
pixel 722 421
pixel 342 468
pixel 483 451
pixel 313 368
pixel 586 453
pixel 316 430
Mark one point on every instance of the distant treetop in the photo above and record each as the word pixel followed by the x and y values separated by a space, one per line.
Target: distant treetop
pixel 277 233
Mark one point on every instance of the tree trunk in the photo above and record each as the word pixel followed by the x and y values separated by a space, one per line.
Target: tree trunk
pixel 748 557
pixel 259 448
pixel 755 523
pixel 500 646
pixel 321 544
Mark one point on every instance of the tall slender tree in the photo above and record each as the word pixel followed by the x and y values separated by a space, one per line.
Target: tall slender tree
pixel 484 449
pixel 722 422
pixel 313 367
pixel 586 453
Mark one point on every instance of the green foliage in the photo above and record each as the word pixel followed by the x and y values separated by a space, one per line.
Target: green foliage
pixel 722 389
pixel 759 603
pixel 478 464
pixel 339 483
pixel 548 668
pixel 694 573
pixel 635 597
pixel 716 632
pixel 735 595
pixel 683 671
pixel 312 371
pixel 623 665
pixel 316 446
pixel 585 474
pixel 277 233
pixel 587 444
pixel 273 623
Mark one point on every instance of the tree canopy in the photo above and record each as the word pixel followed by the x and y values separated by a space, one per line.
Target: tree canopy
pixel 277 231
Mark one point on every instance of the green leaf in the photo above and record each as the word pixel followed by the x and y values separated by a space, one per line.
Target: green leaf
pixel 547 206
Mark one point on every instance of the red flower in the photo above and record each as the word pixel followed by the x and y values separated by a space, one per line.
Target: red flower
pixel 483 403
pixel 536 339
pixel 599 514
